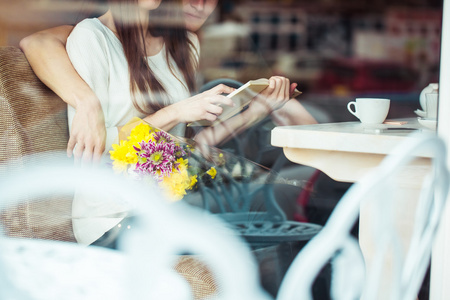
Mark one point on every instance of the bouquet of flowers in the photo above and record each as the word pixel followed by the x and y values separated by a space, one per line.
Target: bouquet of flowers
pixel 147 152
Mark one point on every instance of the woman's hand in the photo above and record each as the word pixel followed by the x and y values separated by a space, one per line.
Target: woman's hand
pixel 273 97
pixel 88 133
pixel 204 106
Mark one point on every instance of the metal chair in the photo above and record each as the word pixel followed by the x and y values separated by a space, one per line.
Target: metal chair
pixel 231 196
pixel 243 195
pixel 249 197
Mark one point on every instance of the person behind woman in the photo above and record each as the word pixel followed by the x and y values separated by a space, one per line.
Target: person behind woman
pixel 138 65
pixel 46 53
pixel 116 55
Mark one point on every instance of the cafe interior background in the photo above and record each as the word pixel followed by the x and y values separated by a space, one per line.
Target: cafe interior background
pixel 336 50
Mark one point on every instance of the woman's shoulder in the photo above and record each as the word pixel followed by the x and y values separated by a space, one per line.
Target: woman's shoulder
pixel 92 34
pixel 91 25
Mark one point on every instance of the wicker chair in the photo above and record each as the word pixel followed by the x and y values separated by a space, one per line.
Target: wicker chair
pixel 32 122
pixel 33 128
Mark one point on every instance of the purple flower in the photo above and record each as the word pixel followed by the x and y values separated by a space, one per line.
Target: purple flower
pixel 158 158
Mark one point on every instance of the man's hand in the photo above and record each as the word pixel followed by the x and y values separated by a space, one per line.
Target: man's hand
pixel 88 133
pixel 273 97
pixel 46 53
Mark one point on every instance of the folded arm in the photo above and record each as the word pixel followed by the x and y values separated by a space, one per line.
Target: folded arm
pixel 46 53
pixel 292 113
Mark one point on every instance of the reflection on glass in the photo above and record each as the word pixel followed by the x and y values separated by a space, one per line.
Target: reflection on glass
pixel 335 51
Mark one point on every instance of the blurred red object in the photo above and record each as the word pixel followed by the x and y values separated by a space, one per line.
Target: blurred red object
pixel 350 76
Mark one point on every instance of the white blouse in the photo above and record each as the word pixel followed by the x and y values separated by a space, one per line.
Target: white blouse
pixel 98 57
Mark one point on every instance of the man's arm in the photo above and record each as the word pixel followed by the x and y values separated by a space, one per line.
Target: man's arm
pixel 272 99
pixel 46 53
pixel 292 113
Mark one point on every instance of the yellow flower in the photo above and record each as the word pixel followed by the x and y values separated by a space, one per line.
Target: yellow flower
pixel 193 181
pixel 212 172
pixel 183 164
pixel 122 155
pixel 142 132
pixel 175 185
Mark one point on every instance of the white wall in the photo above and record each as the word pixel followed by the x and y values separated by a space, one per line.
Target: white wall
pixel 440 268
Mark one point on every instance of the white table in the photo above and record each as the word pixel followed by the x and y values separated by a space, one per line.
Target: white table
pixel 346 152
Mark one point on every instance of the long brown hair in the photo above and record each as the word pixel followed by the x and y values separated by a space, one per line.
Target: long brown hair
pixel 167 22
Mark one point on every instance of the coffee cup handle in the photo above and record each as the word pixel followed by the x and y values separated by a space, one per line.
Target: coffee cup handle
pixel 349 107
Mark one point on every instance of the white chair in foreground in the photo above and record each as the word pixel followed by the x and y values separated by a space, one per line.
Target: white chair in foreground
pixel 37 269
pixel 335 245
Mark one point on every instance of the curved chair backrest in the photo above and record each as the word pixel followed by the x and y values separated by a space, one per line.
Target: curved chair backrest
pixel 161 232
pixel 334 243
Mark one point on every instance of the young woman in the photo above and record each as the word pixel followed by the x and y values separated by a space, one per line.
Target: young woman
pixel 137 66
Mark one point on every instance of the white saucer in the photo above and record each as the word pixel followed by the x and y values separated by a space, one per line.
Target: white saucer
pixel 421 113
pixel 428 123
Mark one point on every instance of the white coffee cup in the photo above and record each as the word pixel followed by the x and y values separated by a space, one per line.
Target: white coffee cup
pixel 370 110
pixel 431 105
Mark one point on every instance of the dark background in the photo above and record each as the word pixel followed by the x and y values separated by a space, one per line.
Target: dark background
pixel 336 50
